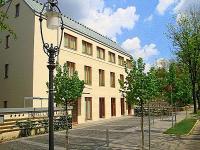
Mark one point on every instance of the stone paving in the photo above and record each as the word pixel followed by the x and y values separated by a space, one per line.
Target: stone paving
pixel 124 134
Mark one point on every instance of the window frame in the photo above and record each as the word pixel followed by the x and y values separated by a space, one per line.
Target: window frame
pixel 110 55
pixel 128 63
pixel 112 80
pixel 7 42
pixel 86 50
pixel 71 66
pixel 17 10
pixel 89 100
pixel 99 49
pixel 88 71
pixel 101 77
pixel 121 77
pixel 120 60
pixel 70 38
pixel 6 69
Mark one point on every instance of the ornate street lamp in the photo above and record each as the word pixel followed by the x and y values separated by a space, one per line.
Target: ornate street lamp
pixel 52 14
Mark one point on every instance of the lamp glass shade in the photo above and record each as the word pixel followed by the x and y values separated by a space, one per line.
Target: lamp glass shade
pixel 53 20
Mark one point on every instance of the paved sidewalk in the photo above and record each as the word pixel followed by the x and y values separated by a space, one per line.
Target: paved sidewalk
pixel 124 134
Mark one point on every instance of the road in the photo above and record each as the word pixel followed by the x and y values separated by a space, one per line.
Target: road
pixel 124 134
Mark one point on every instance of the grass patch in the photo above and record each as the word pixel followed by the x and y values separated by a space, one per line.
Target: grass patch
pixel 183 127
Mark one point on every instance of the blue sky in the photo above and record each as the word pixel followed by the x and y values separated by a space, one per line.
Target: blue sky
pixel 139 26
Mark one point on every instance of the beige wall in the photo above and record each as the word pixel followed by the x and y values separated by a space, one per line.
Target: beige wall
pixel 80 59
pixel 19 57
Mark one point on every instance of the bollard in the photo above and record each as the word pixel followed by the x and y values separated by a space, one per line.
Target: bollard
pixel 107 137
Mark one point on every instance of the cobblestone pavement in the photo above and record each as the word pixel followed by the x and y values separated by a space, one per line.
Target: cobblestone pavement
pixel 124 134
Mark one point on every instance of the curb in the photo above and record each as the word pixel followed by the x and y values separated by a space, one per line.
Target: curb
pixel 193 128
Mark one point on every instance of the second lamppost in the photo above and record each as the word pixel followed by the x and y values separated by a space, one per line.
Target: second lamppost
pixel 52 14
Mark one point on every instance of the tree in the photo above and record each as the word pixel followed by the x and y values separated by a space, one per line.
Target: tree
pixel 186 40
pixel 68 90
pixel 139 87
pixel 4 26
pixel 178 79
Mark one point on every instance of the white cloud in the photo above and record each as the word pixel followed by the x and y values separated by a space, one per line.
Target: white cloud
pixel 96 15
pixel 149 18
pixel 179 5
pixel 163 5
pixel 134 47
pixel 111 23
pixel 186 5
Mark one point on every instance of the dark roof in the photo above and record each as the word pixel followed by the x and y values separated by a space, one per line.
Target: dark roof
pixel 80 28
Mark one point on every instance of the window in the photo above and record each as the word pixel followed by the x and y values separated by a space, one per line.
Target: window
pixel 17 10
pixel 5 104
pixel 71 68
pixel 79 106
pixel 111 57
pixel 7 41
pixel 88 114
pixel 112 79
pixel 87 48
pixel 121 77
pixel 101 107
pixel 88 75
pixel 128 63
pixel 6 71
pixel 122 107
pixel 101 77
pixel 113 107
pixel 121 61
pixel 100 53
pixel 70 41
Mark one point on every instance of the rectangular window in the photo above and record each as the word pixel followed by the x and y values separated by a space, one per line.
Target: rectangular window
pixel 101 107
pixel 111 57
pixel 70 41
pixel 79 106
pixel 87 48
pixel 100 53
pixel 113 107
pixel 121 77
pixel 112 79
pixel 6 71
pixel 122 107
pixel 71 68
pixel 17 7
pixel 121 61
pixel 101 77
pixel 5 104
pixel 128 62
pixel 88 75
pixel 7 41
pixel 88 103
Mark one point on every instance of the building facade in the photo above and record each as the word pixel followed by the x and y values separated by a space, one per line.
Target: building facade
pixel 23 72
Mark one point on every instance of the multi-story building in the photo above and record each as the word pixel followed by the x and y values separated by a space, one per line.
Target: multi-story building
pixel 23 72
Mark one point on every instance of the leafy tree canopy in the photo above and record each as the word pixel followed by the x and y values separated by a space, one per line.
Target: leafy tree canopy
pixel 68 87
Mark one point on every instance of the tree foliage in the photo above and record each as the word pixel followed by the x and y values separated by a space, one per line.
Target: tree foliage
pixel 4 27
pixel 178 83
pixel 139 85
pixel 68 88
pixel 186 40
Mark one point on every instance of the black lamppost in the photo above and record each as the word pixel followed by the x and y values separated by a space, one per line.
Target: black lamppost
pixel 52 14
